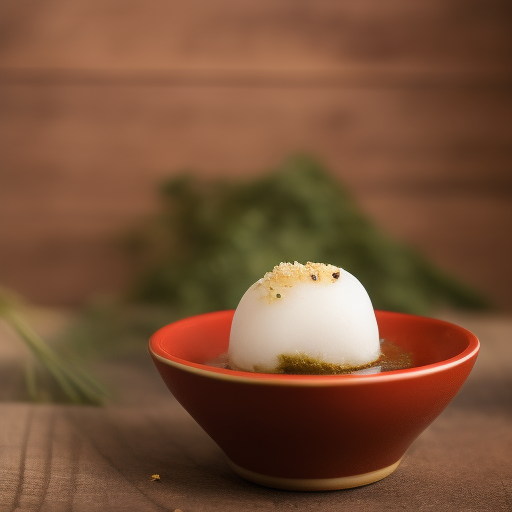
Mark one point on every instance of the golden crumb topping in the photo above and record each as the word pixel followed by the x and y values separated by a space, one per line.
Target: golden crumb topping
pixel 286 275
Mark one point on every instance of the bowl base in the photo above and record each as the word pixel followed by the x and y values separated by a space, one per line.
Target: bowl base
pixel 314 484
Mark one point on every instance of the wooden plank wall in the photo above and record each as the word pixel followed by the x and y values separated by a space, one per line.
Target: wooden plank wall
pixel 409 103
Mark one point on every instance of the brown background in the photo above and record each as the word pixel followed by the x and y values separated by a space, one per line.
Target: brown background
pixel 409 104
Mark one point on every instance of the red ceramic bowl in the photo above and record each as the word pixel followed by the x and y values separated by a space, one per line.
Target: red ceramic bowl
pixel 308 432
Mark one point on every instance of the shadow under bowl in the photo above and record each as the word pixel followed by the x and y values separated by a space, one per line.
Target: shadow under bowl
pixel 312 432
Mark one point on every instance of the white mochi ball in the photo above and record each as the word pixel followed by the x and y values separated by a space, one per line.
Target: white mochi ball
pixel 314 311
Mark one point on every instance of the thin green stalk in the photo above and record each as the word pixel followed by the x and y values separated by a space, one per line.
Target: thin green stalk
pixel 30 379
pixel 75 382
pixel 43 353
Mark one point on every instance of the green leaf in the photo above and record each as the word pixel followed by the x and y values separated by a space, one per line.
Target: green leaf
pixel 212 240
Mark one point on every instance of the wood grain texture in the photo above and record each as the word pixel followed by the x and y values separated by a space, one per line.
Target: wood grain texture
pixel 284 34
pixel 62 458
pixel 409 104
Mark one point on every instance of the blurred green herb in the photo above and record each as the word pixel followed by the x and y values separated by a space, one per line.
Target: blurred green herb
pixel 211 241
pixel 68 381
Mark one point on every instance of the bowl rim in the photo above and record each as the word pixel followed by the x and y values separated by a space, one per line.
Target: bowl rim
pixel 157 352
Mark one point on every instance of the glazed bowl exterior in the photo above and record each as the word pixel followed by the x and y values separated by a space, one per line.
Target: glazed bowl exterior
pixel 308 432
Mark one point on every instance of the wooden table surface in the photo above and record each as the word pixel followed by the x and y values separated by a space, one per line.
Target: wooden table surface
pixel 81 458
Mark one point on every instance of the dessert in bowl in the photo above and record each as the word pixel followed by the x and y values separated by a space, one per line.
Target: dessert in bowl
pixel 308 431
